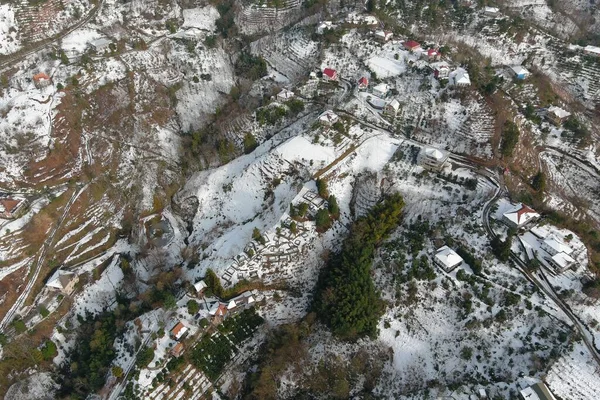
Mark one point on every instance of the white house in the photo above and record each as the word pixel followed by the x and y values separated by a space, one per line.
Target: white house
pixel 555 245
pixel 491 11
pixel 323 26
pixel 441 70
pixel 200 286
pixel 562 261
pixel 63 280
pixel 328 118
pixel 432 158
pixel 519 216
pixel 384 36
pixel 592 50
pixel 459 77
pixel 447 258
pixel 381 90
pixel 285 95
pixel 520 72
pixel 100 45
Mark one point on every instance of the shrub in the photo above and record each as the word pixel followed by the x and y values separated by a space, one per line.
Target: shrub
pixel 510 138
pixel 193 307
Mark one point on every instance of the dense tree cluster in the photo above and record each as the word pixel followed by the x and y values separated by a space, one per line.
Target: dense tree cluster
pixel 346 298
pixel 501 248
pixel 250 66
pixel 510 138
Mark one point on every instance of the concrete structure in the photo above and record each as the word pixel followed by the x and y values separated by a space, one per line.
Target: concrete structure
pixel 381 90
pixel 64 281
pixel 519 216
pixel 562 262
pixel 432 158
pixel 100 45
pixel 328 118
pixel 200 286
pixel 491 11
pixel 11 208
pixel 557 115
pixel 178 332
pixel 520 72
pixel 441 70
pixel 41 80
pixel 554 245
pixel 447 258
pixel 539 391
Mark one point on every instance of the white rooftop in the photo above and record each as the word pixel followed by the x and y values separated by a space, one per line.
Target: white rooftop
pixel 563 260
pixel 199 286
pixel 592 49
pixel 460 76
pixel 521 214
pixel 432 152
pixel 382 88
pixel 519 69
pixel 395 104
pixel 492 10
pixel 329 116
pixel 60 279
pixel 448 257
pixel 557 244
pixel 559 112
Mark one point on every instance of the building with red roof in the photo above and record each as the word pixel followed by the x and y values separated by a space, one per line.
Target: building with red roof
pixel 411 45
pixel 330 74
pixel 363 83
pixel 41 80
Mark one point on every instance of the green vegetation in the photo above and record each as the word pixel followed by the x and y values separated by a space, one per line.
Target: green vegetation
pixel 322 220
pixel 295 105
pixel 270 115
pixel 470 259
pixel 49 350
pixel 322 188
pixel 501 248
pixel 510 138
pixel 580 132
pixel 213 353
pixel 539 181
pixel 226 23
pixel 249 143
pixel 193 307
pixel 346 299
pixel 19 325
pixel 250 66
pixel 256 235
pixel 144 357
pixel 333 207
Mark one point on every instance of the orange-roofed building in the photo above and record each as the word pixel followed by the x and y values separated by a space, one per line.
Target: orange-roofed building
pixel 41 80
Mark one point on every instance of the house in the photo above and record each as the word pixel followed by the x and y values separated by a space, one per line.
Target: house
pixel 392 108
pixel 592 50
pixel 325 25
pixel 285 95
pixel 557 115
pixel 411 45
pixel 41 80
pixel 330 74
pixel 384 36
pixel 491 11
pixel 441 70
pixel 459 77
pixel 231 305
pixel 447 258
pixel 432 158
pixel 539 391
pixel 519 216
pixel 363 83
pixel 328 118
pixel 178 332
pixel 200 286
pixel 562 262
pixel 433 55
pixel 554 245
pixel 520 72
pixel 381 90
pixel 63 280
pixel 11 208
pixel 100 45
pixel 177 350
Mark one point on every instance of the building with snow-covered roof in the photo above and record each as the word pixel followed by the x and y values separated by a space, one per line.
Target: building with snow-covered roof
pixel 562 262
pixel 391 108
pixel 459 77
pixel 324 26
pixel 285 95
pixel 12 207
pixel 519 216
pixel 557 115
pixel 384 36
pixel 447 258
pixel 432 158
pixel 433 54
pixel 538 391
pixel 330 74
pixel 520 72
pixel 179 331
pixel 328 118
pixel 592 50
pixel 491 11
pixel 63 280
pixel 100 45
pixel 412 45
pixel 200 286
pixel 381 90
pixel 441 70
pixel 554 245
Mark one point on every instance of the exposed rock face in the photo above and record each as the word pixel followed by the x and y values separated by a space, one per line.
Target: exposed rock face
pixel 38 386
